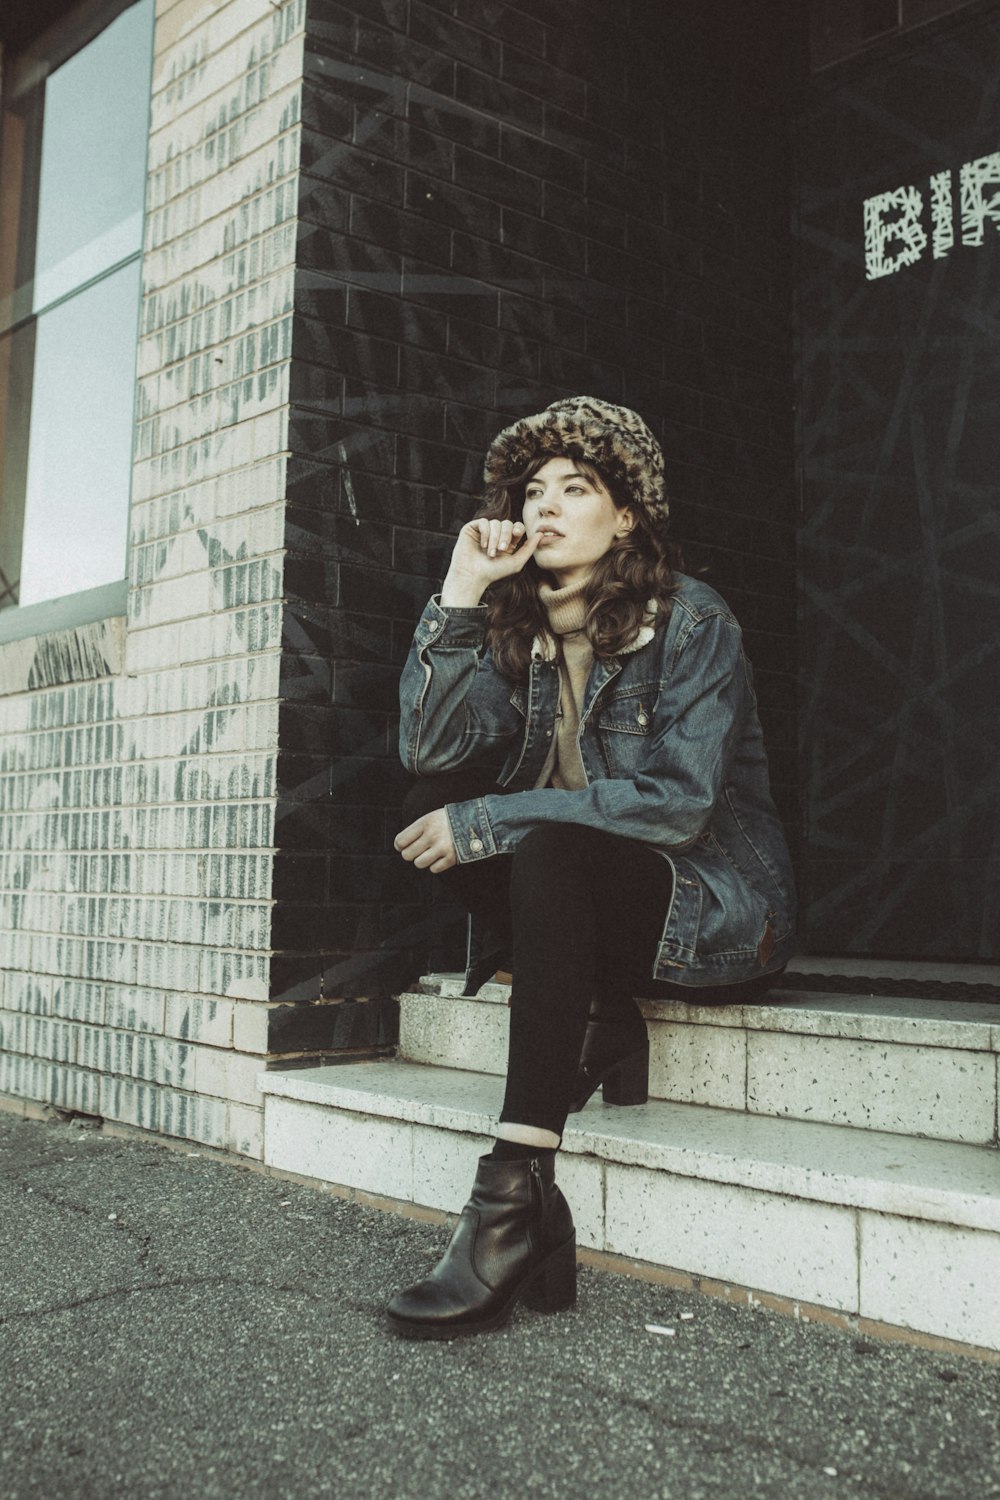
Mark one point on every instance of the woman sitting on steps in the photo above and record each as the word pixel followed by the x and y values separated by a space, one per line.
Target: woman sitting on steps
pixel 594 788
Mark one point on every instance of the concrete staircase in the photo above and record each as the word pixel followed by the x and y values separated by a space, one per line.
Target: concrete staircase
pixel 835 1147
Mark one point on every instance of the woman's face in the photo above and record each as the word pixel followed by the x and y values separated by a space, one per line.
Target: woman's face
pixel 577 519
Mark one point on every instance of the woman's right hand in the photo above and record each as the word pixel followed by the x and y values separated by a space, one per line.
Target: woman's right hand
pixel 486 551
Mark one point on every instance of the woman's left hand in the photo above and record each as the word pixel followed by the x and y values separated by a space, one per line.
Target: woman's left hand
pixel 428 843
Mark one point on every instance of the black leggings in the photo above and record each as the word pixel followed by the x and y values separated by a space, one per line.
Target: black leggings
pixel 584 909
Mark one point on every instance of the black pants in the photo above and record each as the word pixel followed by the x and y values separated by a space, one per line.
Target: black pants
pixel 584 910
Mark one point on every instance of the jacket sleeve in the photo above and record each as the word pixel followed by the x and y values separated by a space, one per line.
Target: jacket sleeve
pixel 697 723
pixel 455 707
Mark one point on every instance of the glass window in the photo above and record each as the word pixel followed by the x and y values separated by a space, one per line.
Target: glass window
pixel 72 185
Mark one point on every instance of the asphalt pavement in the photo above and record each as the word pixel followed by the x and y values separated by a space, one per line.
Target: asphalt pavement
pixel 175 1324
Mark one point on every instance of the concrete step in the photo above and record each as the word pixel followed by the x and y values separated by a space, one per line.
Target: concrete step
pixel 912 1066
pixel 863 1222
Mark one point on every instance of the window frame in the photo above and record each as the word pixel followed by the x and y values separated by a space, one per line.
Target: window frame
pixel 80 25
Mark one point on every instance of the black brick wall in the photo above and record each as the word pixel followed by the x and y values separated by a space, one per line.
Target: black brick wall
pixel 502 203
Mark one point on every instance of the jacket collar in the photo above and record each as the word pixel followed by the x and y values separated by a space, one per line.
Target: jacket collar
pixel 545 648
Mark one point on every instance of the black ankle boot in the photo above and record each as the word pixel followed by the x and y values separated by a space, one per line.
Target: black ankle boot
pixel 613 1056
pixel 514 1240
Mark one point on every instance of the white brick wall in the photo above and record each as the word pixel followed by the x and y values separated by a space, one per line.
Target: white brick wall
pixel 137 795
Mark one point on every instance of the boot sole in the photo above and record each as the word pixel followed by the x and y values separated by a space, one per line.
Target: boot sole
pixel 549 1288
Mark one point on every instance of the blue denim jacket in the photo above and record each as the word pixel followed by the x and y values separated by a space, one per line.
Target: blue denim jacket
pixel 674 756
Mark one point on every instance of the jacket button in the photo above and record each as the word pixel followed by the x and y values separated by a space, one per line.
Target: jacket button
pixel 475 845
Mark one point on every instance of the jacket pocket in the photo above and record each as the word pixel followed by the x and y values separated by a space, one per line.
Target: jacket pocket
pixel 623 728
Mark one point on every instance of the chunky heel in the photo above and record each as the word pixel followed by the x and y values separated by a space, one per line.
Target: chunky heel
pixel 606 1060
pixel 553 1287
pixel 628 1081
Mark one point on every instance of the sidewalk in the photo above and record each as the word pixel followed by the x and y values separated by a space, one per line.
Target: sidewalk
pixel 173 1324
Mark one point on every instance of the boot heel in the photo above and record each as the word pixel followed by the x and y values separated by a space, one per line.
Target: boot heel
pixel 628 1083
pixel 553 1287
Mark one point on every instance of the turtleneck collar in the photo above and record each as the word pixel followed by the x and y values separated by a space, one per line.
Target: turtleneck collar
pixel 565 607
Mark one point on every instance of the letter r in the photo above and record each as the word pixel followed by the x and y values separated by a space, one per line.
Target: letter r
pixel 976 207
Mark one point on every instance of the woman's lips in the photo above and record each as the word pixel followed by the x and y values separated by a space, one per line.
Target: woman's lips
pixel 548 534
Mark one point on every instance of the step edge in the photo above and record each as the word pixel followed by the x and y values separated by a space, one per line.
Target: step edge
pixel 938 1031
pixel 429 1059
pixel 966 1208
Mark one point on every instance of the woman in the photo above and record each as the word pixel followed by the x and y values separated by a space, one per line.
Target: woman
pixel 594 788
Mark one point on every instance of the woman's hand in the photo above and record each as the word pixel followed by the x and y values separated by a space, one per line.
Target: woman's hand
pixel 485 552
pixel 428 843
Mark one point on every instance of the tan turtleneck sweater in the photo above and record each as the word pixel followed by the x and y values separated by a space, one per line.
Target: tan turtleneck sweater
pixel 564 767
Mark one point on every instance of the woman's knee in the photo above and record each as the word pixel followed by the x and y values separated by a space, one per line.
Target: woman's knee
pixel 628 875
pixel 556 847
pixel 428 793
pixel 422 798
pixel 563 836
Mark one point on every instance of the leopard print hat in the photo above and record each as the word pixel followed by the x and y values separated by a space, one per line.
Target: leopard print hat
pixel 614 438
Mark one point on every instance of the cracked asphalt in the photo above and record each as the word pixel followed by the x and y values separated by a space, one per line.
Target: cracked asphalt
pixel 174 1324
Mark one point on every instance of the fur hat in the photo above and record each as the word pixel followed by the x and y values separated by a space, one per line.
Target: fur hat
pixel 614 438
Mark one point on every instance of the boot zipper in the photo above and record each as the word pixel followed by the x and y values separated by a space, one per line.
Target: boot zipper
pixel 537 1191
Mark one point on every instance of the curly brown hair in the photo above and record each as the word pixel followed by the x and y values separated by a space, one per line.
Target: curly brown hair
pixel 636 568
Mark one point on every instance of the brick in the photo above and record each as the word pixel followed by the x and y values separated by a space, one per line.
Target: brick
pixel 542 241
pixel 405 57
pixel 345 81
pixel 224 1074
pixel 25 1077
pixel 458 122
pixel 137 1010
pixel 501 100
pixel 130 1102
pixel 454 205
pixel 198 1019
pixel 394 318
pixel 352 169
pixel 245 1131
pixel 327 1027
pixel 194 1118
pixel 237 976
pixel 75 1090
pixel 250 1027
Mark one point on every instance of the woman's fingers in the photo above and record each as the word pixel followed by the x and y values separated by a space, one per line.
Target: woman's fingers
pixel 489 549
pixel 436 858
pixel 497 535
pixel 500 536
pixel 506 544
pixel 408 835
pixel 527 549
pixel 427 844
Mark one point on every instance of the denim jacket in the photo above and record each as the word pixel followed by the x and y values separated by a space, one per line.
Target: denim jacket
pixel 673 753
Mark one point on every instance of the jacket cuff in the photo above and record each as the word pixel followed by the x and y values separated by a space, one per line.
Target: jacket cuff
pixel 447 625
pixel 471 832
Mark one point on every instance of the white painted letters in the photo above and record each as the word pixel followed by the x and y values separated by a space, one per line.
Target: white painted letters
pixel 977 176
pixel 895 233
pixel 942 214
pixel 895 217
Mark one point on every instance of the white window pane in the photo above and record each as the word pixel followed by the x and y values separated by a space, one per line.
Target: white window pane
pixel 79 460
pixel 117 243
pixel 93 165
